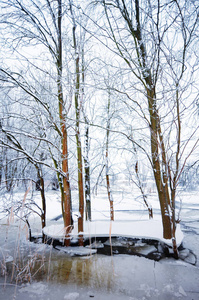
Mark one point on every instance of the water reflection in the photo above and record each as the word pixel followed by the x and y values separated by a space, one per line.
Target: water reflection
pixel 43 263
pixel 94 271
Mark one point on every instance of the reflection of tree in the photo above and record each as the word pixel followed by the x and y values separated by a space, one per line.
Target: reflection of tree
pixel 60 269
pixel 96 272
pixel 103 268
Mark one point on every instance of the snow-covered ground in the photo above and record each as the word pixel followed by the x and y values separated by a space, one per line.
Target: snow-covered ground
pixel 99 276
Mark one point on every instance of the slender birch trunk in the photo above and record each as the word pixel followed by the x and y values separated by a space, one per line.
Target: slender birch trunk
pixel 86 154
pixel 144 196
pixel 43 198
pixel 78 138
pixel 110 197
pixel 87 175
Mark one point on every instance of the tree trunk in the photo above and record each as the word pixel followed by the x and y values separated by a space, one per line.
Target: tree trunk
pixel 159 173
pixel 81 190
pixel 162 188
pixel 175 248
pixel 66 195
pixel 86 156
pixel 79 157
pixel 150 210
pixel 1 168
pixel 87 177
pixel 78 139
pixel 42 191
pixel 110 197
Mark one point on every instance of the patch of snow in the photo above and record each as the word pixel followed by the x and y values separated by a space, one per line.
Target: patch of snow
pixel 76 251
pixel 36 288
pixel 149 291
pixel 169 288
pixel 8 258
pixel 91 294
pixel 71 296
pixel 184 253
pixel 182 292
pixel 133 229
pixel 96 245
pixel 145 250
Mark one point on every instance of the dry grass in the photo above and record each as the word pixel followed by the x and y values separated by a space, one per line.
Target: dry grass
pixel 20 260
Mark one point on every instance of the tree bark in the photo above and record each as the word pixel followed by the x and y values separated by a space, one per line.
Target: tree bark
pixel 66 195
pixel 43 198
pixel 146 79
pixel 110 197
pixel 87 176
pixel 78 138
pixel 162 188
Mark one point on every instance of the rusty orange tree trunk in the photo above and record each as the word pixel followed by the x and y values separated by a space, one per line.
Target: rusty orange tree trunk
pixel 65 189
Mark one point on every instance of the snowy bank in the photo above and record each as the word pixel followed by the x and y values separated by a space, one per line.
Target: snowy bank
pixel 148 229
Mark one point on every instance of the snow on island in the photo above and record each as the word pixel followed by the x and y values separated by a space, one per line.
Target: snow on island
pixel 148 229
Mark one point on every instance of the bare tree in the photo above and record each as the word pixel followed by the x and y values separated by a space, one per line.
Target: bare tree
pixel 41 24
pixel 140 34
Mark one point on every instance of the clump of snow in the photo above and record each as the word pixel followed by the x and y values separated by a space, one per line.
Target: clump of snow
pixel 9 259
pixel 77 251
pixel 182 292
pixel 96 245
pixel 149 291
pixel 71 296
pixel 170 289
pixel 36 288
